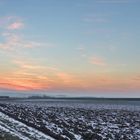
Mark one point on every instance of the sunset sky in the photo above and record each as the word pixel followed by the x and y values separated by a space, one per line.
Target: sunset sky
pixel 70 47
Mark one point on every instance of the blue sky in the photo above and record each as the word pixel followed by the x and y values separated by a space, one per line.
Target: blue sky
pixel 70 46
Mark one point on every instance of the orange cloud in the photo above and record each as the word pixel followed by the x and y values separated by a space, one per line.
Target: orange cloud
pixel 65 77
pixel 22 80
pixel 15 87
pixel 32 78
pixel 28 75
pixel 32 75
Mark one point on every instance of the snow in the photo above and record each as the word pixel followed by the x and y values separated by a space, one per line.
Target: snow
pixel 76 121
pixel 20 130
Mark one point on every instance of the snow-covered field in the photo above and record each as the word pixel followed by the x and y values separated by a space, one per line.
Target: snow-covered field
pixel 21 131
pixel 65 120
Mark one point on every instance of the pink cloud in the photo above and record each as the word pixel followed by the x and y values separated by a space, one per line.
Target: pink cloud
pixel 12 41
pixel 11 22
pixel 16 25
pixel 97 61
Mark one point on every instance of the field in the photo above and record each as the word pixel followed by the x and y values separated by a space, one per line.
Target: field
pixel 69 120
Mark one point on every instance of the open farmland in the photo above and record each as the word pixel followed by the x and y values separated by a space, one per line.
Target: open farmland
pixel 76 120
pixel 11 129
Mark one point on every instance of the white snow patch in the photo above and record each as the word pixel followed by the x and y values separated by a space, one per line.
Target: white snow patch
pixel 20 130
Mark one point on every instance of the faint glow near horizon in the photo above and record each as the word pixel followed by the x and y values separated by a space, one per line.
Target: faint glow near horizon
pixel 71 47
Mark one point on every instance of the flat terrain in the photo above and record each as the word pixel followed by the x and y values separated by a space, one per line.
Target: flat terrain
pixel 70 119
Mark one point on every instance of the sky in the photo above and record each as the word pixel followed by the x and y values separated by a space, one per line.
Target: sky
pixel 70 47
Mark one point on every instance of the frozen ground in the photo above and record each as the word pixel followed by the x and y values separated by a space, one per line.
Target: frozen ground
pixel 66 120
pixel 18 131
